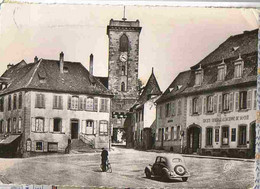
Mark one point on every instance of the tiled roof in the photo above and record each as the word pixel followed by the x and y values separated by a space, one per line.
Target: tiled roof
pixel 178 85
pixel 45 75
pixel 244 43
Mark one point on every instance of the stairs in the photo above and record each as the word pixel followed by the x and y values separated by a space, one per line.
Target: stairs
pixel 78 146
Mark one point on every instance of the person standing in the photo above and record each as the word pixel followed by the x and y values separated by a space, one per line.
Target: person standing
pixel 104 157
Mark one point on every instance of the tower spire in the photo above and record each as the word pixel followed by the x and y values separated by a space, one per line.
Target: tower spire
pixel 124 18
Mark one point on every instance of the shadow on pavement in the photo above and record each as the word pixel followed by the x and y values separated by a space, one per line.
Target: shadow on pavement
pixel 159 180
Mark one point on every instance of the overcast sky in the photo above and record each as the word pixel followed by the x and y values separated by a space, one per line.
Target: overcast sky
pixel 171 41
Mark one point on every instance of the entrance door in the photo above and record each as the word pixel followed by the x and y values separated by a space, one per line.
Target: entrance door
pixel 74 129
pixel 194 138
pixel 252 140
pixel 162 137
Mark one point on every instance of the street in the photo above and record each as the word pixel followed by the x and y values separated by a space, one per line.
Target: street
pixel 128 171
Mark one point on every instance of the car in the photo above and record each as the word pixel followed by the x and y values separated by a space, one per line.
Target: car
pixel 168 167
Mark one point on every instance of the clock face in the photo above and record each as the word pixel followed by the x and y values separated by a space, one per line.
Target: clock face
pixel 123 57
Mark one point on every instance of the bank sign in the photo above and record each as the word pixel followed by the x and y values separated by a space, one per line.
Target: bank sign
pixel 224 119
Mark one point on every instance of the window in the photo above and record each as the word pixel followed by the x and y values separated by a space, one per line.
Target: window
pixel 123 86
pixel 9 102
pixel 90 104
pixel 39 124
pixel 167 109
pixel 198 78
pixel 123 43
pixel 242 135
pixel 14 101
pixel 178 132
pixel 1 126
pixel 39 146
pixel 104 105
pixel 52 146
pixel 242 100
pixel 195 106
pixel 20 101
pixel 123 71
pixel 160 112
pixel 233 134
pixel 14 124
pixel 57 102
pixel 28 145
pixel 173 108
pixel 225 102
pixel 172 133
pixel 89 127
pixel 216 135
pixel 74 102
pixel 225 135
pixel 40 101
pixel 57 125
pixel 209 136
pixel 210 104
pixel 166 133
pixel 103 127
pixel 20 125
pixel 179 107
pixel 8 128
pixel 1 104
pixel 238 70
pixel 221 73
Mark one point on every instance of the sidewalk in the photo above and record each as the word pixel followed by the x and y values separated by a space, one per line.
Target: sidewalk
pixel 205 157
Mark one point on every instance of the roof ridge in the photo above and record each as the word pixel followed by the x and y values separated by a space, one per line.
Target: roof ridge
pixel 29 82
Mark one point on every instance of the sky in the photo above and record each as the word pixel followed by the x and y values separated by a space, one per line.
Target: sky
pixel 172 38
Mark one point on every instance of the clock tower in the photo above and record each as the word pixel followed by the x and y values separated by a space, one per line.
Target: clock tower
pixel 123 68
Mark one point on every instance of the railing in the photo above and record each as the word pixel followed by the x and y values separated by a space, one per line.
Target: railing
pixel 87 140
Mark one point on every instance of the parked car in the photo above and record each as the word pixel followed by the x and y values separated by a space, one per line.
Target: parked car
pixel 168 167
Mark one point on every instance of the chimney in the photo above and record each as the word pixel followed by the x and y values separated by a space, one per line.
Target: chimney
pixel 9 66
pixel 91 64
pixel 35 59
pixel 61 62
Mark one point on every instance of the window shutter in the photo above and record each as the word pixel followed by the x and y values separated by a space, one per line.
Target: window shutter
pixel 231 101
pixel 106 105
pixel 156 134
pixel 205 105
pixel 51 125
pixel 163 134
pixel 237 101
pixel 80 103
pixel 95 127
pixel 32 124
pixel 190 106
pixel 61 102
pixel 46 126
pixel 69 102
pixel 249 99
pixel 84 124
pixel 169 133
pixel 63 129
pixel 37 101
pixel 84 103
pixel 95 104
pixel 43 100
pixel 173 107
pixel 215 103
pixel 200 105
pixel 220 103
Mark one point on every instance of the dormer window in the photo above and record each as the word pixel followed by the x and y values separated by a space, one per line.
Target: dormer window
pixel 198 77
pixel 222 70
pixel 239 66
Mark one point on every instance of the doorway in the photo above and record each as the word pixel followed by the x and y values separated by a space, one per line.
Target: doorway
pixel 74 129
pixel 252 140
pixel 194 139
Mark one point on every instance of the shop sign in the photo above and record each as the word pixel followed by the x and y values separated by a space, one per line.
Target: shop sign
pixel 224 119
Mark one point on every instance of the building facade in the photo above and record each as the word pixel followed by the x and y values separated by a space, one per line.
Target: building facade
pixel 171 116
pixel 220 101
pixel 48 104
pixel 122 70
pixel 142 115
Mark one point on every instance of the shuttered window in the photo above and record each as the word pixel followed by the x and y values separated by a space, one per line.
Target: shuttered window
pixel 89 104
pixel 243 100
pixel 74 102
pixel 57 124
pixel 14 101
pixel 89 127
pixel 40 101
pixel 20 100
pixel 9 102
pixel 57 102
pixel 179 107
pixel 103 105
pixel 210 104
pixel 103 127
pixel 209 136
pixel 39 124
pixel 173 108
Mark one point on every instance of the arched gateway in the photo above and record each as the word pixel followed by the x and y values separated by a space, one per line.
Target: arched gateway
pixel 193 138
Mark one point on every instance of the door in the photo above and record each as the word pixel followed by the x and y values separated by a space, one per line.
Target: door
pixel 194 139
pixel 74 129
pixel 252 140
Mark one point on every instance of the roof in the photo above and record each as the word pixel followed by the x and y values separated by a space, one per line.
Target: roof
pixel 178 85
pixel 151 88
pixel 244 43
pixel 45 75
pixel 9 139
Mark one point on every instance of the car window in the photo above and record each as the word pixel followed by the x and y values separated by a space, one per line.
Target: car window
pixel 176 160
pixel 163 160
pixel 157 160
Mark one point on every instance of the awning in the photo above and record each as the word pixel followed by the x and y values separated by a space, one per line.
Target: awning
pixel 9 139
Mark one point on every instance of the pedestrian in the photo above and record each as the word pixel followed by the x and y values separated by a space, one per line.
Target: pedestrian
pixel 104 156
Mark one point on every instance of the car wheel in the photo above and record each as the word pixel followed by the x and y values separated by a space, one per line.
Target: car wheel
pixel 179 170
pixel 184 179
pixel 147 173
